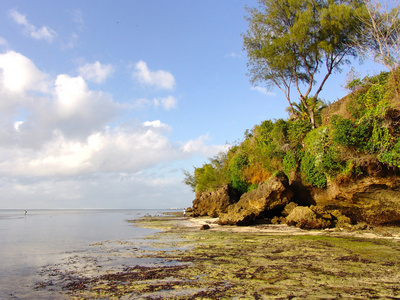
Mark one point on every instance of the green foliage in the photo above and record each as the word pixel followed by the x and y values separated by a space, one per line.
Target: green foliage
pixel 391 157
pixel 367 131
pixel 299 111
pixel 189 180
pixel 289 42
pixel 310 172
pixel 332 164
pixel 296 132
pixel 371 100
pixel 337 152
pixel 210 176
pixel 347 133
pixel 236 166
pixel 289 164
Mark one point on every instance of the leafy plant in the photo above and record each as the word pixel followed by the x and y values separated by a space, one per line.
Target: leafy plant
pixel 290 164
pixel 310 173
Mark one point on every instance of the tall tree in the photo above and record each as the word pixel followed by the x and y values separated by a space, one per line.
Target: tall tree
pixel 382 33
pixel 290 41
pixel 382 37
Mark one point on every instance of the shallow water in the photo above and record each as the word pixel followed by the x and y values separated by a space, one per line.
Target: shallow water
pixel 29 243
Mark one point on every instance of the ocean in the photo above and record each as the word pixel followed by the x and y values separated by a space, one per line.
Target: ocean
pixel 39 239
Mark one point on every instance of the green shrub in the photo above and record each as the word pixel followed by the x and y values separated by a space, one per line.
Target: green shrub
pixel 296 132
pixel 236 167
pixel 316 143
pixel 350 134
pixel 289 164
pixel 391 157
pixel 332 164
pixel 311 175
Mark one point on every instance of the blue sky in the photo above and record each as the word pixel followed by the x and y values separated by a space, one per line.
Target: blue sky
pixel 103 103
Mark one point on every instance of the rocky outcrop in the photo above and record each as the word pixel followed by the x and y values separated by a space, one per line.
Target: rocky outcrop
pixel 270 197
pixel 374 200
pixel 214 203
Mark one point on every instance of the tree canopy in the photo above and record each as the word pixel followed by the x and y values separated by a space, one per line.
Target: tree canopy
pixel 290 41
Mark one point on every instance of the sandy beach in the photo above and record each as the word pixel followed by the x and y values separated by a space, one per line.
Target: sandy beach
pixel 379 232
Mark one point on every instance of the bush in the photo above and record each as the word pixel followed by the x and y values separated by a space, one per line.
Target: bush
pixel 392 157
pixel 296 132
pixel 289 164
pixel 332 164
pixel 350 134
pixel 236 167
pixel 311 175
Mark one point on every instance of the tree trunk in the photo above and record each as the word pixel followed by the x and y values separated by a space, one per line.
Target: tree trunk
pixel 312 117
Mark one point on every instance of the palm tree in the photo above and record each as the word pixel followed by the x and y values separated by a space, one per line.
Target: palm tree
pixel 299 111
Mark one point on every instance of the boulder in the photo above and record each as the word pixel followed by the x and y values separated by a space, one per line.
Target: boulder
pixel 205 227
pixel 374 200
pixel 289 208
pixel 270 196
pixel 310 218
pixel 214 203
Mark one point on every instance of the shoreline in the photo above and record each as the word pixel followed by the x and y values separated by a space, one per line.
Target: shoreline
pixel 377 232
pixel 254 262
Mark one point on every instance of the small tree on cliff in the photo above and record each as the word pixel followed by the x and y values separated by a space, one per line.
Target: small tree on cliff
pixel 289 41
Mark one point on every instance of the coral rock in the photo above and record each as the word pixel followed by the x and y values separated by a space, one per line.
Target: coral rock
pixel 271 195
pixel 215 202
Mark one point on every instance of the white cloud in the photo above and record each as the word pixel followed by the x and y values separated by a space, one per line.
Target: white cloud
pixel 156 124
pixel 96 72
pixel 263 90
pixel 61 141
pixel 18 74
pixel 160 79
pixel 199 146
pixel 166 103
pixel 43 33
pixel 111 150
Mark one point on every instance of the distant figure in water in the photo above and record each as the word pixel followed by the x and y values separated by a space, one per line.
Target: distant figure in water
pixel 184 213
pixel 25 212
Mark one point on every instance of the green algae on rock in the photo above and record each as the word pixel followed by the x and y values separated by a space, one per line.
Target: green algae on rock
pixel 216 264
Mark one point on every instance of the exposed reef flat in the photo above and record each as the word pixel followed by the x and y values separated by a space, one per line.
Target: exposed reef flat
pixel 252 262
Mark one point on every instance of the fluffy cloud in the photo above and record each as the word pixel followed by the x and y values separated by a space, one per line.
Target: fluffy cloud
pixel 199 146
pixel 160 79
pixel 19 74
pixel 96 72
pixel 120 149
pixel 166 103
pixel 65 129
pixel 43 33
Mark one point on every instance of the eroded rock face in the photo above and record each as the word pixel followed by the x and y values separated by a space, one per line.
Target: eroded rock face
pixel 310 218
pixel 214 203
pixel 374 200
pixel 271 195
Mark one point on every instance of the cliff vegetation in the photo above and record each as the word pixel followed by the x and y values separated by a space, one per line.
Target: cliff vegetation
pixel 344 158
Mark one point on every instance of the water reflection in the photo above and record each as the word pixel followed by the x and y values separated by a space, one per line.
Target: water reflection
pixel 45 237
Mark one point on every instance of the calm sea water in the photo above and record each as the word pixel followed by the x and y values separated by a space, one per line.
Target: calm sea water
pixel 28 242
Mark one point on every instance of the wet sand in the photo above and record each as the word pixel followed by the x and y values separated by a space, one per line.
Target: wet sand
pixel 230 262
